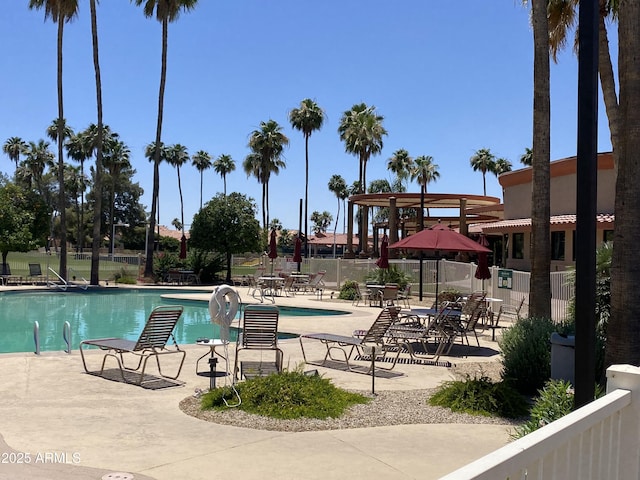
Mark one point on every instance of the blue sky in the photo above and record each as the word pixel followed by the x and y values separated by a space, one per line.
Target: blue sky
pixel 449 78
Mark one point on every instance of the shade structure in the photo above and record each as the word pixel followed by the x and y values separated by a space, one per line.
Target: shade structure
pixel 439 238
pixel 297 251
pixel 383 261
pixel 183 247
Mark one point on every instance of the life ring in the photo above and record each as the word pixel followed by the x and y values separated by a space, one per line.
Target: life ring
pixel 223 308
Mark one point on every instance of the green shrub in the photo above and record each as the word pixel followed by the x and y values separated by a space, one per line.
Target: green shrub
pixel 348 290
pixel 286 395
pixel 554 401
pixel 526 352
pixel 449 295
pixel 480 396
pixel 388 275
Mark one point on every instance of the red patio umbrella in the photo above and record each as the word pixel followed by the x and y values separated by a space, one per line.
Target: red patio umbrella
pixel 183 247
pixel 273 250
pixel 383 261
pixel 439 238
pixel 483 272
pixel 297 252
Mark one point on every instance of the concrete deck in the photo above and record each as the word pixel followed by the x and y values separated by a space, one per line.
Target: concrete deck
pixel 60 423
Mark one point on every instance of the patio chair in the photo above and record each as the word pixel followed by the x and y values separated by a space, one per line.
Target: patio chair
pixel 373 339
pixel 152 343
pixel 390 294
pixel 315 284
pixel 405 295
pixel 35 274
pixel 8 277
pixel 363 294
pixel 258 331
pixel 506 310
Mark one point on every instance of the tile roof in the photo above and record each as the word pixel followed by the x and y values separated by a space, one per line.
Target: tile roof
pixel 554 220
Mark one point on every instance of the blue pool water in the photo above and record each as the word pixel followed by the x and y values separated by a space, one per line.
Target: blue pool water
pixel 102 313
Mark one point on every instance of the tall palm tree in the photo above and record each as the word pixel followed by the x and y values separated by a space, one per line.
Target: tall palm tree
pixel 61 12
pixel 224 165
pixel 165 11
pixel 77 150
pixel 202 161
pixel 527 157
pixel 502 166
pixel 424 171
pixel 540 291
pixel 38 157
pixel 151 152
pixel 400 164
pixel 98 173
pixel 308 118
pixel 623 329
pixel 14 147
pixel 267 143
pixel 74 184
pixel 562 17
pixel 116 158
pixel 338 187
pixel 177 155
pixel 362 132
pixel 484 161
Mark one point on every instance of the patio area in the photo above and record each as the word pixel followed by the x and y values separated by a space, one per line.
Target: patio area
pixel 74 425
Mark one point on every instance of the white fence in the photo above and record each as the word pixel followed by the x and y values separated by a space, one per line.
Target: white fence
pixel 451 275
pixel 598 441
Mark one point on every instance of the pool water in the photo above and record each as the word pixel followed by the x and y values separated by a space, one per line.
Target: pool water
pixel 97 314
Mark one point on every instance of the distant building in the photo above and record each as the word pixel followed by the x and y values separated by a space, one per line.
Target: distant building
pixel 515 229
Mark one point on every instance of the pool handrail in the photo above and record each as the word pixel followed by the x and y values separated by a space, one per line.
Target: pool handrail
pixel 62 286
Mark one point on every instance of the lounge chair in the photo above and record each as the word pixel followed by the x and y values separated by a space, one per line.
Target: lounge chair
pixel 151 343
pixel 8 277
pixel 506 311
pixel 35 274
pixel 258 331
pixel 373 339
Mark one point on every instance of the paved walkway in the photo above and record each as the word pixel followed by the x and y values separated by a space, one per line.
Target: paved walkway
pixel 70 425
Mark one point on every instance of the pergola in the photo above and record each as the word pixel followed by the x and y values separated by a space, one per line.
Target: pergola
pixel 469 208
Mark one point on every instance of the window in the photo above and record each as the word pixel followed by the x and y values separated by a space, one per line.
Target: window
pixel 557 245
pixel 518 245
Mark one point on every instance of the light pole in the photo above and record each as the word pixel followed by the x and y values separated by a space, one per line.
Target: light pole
pixel 113 234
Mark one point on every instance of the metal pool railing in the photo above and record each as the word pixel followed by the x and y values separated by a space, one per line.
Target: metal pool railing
pixel 66 336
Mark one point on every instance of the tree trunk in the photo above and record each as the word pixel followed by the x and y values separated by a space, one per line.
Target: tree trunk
pixel 148 266
pixel 306 196
pixel 61 189
pixel 97 208
pixel 623 331
pixel 540 283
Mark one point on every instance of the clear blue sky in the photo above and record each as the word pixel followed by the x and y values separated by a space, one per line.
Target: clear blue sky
pixel 448 77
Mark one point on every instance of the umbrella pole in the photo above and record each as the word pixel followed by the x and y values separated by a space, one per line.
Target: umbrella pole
pixel 421 282
pixel 437 278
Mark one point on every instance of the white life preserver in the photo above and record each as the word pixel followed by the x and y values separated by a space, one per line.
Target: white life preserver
pixel 223 308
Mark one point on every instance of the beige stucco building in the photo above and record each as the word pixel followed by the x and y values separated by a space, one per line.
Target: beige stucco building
pixel 515 229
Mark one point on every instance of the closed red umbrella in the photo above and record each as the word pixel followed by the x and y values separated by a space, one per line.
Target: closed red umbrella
pixel 483 272
pixel 273 250
pixel 297 251
pixel 183 247
pixel 383 261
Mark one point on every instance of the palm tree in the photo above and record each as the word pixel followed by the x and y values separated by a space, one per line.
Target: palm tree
pixel 38 157
pixel 361 131
pixel 116 159
pixel 338 186
pixel 267 143
pixel 400 164
pixel 77 150
pixel 97 178
pixel 74 185
pixel 540 292
pixel 61 12
pixel 165 11
pixel 502 166
pixel 527 157
pixel 622 331
pixel 224 165
pixel 177 155
pixel 202 161
pixel 14 147
pixel 307 119
pixel 425 172
pixel 152 153
pixel 484 161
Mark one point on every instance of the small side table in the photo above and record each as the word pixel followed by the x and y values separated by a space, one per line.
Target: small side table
pixel 212 343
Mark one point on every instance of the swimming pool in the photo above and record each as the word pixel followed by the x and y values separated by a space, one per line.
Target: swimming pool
pixel 102 313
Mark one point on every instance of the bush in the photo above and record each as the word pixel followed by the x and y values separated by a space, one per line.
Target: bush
pixel 388 275
pixel 554 401
pixel 526 351
pixel 480 396
pixel 348 290
pixel 286 395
